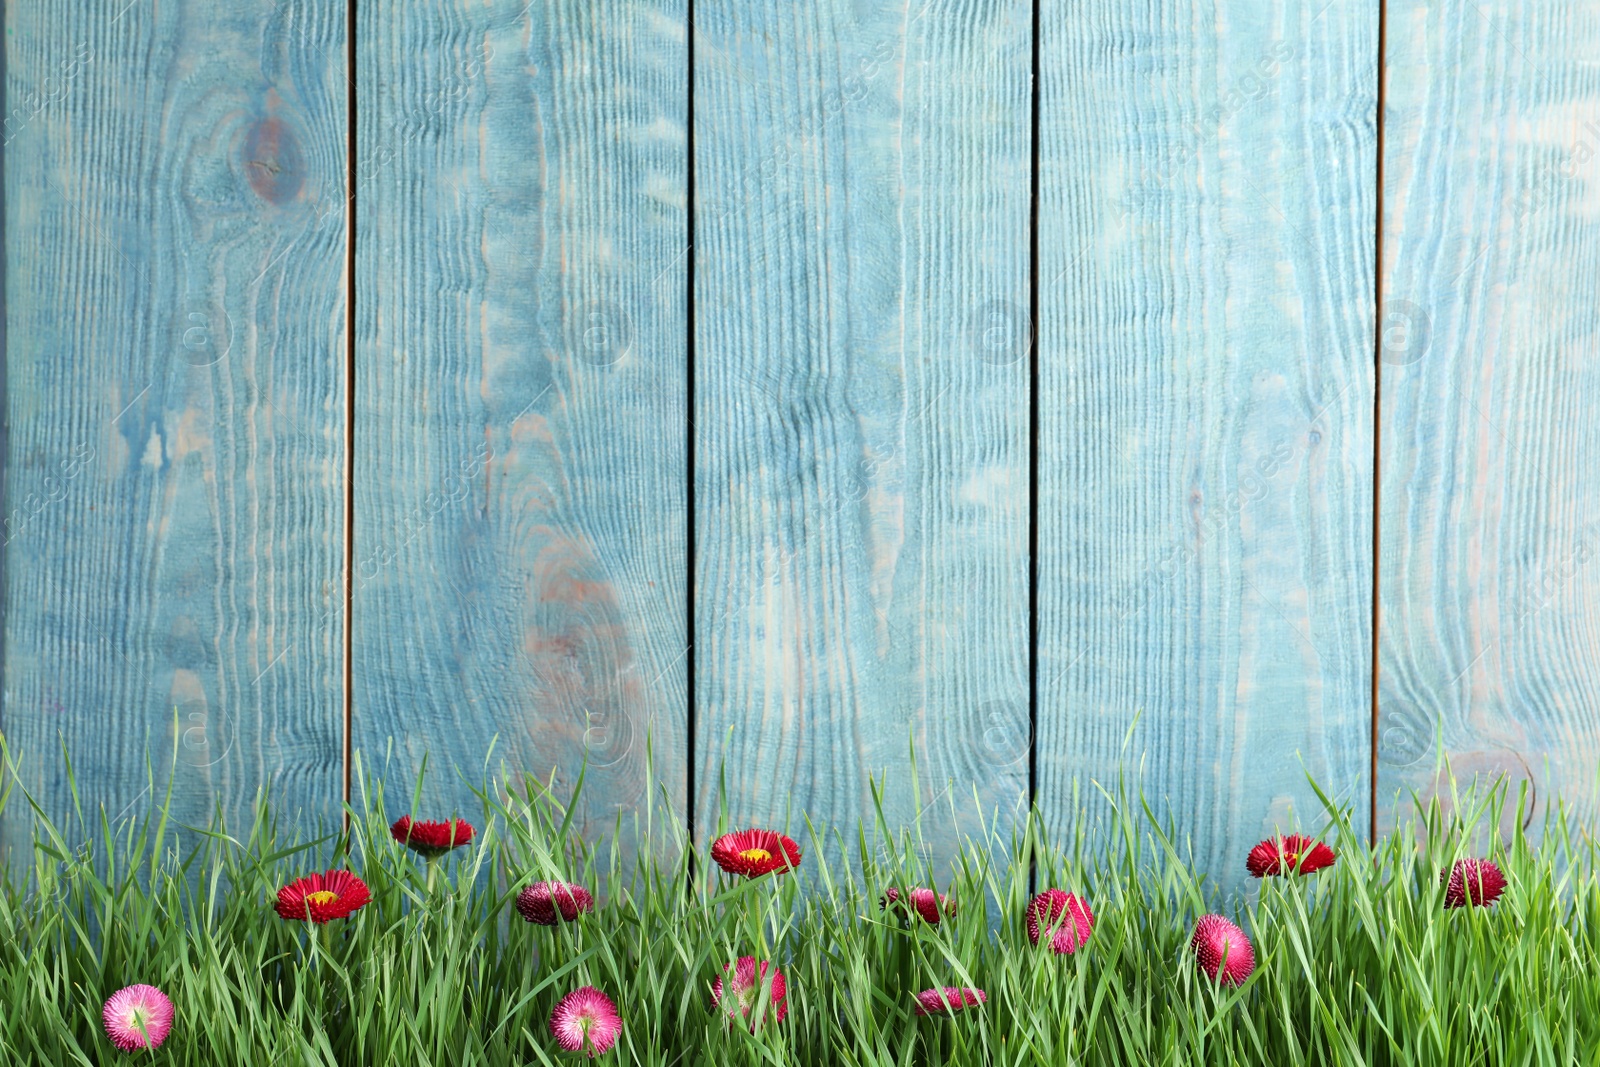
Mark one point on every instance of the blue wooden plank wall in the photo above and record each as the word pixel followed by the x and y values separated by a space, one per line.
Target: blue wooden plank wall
pixel 520 412
pixel 175 395
pixel 861 420
pixel 1490 487
pixel 801 500
pixel 1206 389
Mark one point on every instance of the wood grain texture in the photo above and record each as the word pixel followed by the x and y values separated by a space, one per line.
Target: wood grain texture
pixel 862 410
pixel 1206 248
pixel 1489 587
pixel 521 403
pixel 174 380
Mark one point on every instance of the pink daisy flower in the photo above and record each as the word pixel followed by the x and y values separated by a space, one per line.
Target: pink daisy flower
pixel 547 903
pixel 1220 946
pixel 744 991
pixel 1472 884
pixel 927 904
pixel 1064 916
pixel 586 1021
pixel 947 1000
pixel 139 1016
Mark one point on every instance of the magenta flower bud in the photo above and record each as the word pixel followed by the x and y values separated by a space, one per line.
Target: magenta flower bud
pixel 548 903
pixel 1222 950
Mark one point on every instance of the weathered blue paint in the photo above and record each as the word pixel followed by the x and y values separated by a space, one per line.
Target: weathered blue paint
pixel 521 396
pixel 176 399
pixel 862 410
pixel 1490 461
pixel 175 391
pixel 1206 237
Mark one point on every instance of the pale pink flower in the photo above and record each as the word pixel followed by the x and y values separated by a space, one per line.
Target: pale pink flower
pixel 739 997
pixel 586 1021
pixel 139 1016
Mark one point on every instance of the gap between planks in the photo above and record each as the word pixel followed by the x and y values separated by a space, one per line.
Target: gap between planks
pixel 1377 417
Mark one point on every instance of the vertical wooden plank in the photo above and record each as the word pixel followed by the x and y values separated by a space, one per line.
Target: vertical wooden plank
pixel 521 389
pixel 1206 249
pixel 175 314
pixel 862 176
pixel 1490 494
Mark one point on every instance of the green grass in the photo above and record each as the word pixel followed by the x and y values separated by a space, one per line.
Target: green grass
pixel 1360 964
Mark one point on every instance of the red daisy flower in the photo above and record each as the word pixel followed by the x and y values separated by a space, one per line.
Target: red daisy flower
pixel 586 1021
pixel 929 905
pixel 947 1000
pixel 1294 854
pixel 1472 883
pixel 1215 938
pixel 321 897
pixel 752 853
pixel 547 903
pixel 432 839
pixel 744 991
pixel 1064 916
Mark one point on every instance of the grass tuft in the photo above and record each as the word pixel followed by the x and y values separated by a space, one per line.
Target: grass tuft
pixel 1359 964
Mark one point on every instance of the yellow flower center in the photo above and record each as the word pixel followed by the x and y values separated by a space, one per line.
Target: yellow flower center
pixel 755 855
pixel 322 896
pixel 1294 859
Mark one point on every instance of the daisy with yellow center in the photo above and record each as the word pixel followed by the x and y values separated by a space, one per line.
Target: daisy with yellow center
pixel 319 898
pixel 752 853
pixel 139 1016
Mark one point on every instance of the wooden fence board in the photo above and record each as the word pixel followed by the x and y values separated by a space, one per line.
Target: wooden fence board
pixel 862 174
pixel 521 390
pixel 175 247
pixel 1206 348
pixel 1490 496
pixel 176 402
